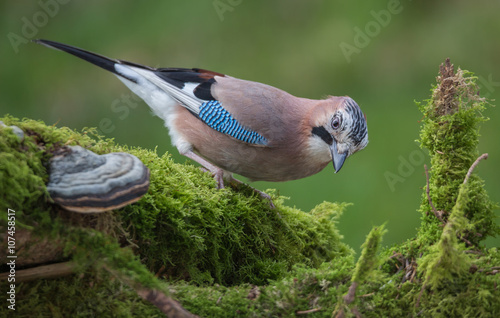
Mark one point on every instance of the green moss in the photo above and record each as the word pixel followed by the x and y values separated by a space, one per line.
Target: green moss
pixel 85 295
pixel 362 272
pixel 472 294
pixel 210 235
pixel 183 228
pixel 446 259
pixel 450 132
pixel 22 175
pixel 368 259
pixel 302 289
pixel 184 224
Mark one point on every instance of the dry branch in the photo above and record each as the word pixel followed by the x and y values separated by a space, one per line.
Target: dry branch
pixel 42 272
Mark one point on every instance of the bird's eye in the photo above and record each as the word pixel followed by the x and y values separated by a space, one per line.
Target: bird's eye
pixel 336 122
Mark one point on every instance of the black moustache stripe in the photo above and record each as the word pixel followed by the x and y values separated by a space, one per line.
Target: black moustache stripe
pixel 323 134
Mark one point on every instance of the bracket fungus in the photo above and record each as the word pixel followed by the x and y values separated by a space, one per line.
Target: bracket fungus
pixel 82 181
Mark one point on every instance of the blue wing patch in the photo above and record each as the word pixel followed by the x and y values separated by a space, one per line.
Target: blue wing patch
pixel 214 115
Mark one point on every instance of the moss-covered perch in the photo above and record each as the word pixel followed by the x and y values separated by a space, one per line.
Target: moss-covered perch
pixel 225 253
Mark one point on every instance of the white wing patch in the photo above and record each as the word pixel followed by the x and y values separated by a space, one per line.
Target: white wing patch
pixel 161 102
pixel 184 96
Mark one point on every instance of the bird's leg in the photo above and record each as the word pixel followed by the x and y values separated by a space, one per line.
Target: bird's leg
pixel 235 182
pixel 217 172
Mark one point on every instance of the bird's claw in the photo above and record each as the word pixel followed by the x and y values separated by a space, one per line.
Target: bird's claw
pixel 235 183
pixel 218 175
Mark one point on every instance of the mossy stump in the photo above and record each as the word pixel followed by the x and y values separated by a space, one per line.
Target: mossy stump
pixel 450 132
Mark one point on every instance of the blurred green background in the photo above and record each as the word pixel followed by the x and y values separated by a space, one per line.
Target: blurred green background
pixel 384 54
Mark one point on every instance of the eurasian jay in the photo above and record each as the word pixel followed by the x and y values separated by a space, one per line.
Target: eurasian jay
pixel 237 126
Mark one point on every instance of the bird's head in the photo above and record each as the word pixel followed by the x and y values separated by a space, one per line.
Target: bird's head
pixel 338 126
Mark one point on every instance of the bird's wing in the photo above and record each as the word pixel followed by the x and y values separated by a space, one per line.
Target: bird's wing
pixel 193 89
pixel 250 119
pixel 251 112
pixel 272 112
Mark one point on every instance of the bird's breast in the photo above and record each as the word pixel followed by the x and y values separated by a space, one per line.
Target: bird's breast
pixel 282 161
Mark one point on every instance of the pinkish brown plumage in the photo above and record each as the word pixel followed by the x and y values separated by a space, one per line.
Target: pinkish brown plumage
pixel 231 125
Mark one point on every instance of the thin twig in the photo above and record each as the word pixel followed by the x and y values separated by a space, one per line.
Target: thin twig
pixel 310 311
pixel 395 255
pixel 42 272
pixel 167 305
pixel 469 173
pixel 481 157
pixel 351 294
pixel 170 307
pixel 473 252
pixel 465 240
pixel 356 312
pixel 436 213
pixel 420 295
pixel 340 314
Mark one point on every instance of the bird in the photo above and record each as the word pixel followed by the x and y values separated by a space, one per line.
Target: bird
pixel 230 125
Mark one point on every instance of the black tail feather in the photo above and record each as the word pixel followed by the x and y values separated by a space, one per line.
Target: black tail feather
pixel 175 76
pixel 96 59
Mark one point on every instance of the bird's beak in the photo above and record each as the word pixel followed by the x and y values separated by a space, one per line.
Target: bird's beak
pixel 337 158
